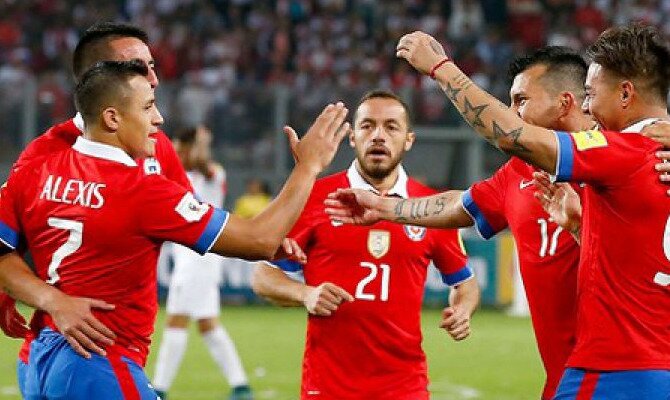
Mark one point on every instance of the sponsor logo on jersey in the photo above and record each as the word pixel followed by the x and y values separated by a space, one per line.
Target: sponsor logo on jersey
pixel 415 233
pixel 585 140
pixel 379 243
pixel 190 208
pixel 152 166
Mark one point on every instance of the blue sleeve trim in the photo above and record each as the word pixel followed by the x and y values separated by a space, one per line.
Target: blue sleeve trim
pixel 565 157
pixel 482 225
pixel 459 276
pixel 287 265
pixel 8 236
pixel 212 231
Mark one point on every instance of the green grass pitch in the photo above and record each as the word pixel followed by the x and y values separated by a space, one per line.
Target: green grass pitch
pixel 498 362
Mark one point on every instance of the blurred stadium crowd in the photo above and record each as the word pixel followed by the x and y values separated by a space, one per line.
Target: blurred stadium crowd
pixel 221 61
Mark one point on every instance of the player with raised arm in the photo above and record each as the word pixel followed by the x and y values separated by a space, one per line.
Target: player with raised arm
pixel 97 220
pixel 547 90
pixel 623 339
pixel 364 285
pixel 195 279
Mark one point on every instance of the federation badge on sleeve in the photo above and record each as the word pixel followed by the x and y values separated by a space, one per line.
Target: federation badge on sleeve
pixel 415 233
pixel 152 166
pixel 379 242
pixel 190 208
pixel 585 140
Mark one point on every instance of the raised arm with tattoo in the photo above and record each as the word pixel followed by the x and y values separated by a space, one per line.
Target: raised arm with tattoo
pixel 492 119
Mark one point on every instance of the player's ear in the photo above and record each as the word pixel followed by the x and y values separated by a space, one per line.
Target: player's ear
pixel 627 90
pixel 566 102
pixel 110 118
pixel 409 140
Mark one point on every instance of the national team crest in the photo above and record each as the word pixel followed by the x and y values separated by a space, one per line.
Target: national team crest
pixel 415 233
pixel 379 243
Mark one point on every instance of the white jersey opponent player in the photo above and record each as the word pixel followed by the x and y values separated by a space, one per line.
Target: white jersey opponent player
pixel 194 285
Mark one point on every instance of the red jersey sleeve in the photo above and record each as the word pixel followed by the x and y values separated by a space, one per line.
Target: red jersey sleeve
pixel 449 256
pixel 171 213
pixel 601 158
pixel 485 202
pixel 10 228
pixel 169 161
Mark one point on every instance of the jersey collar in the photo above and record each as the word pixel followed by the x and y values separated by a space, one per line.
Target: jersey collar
pixel 358 182
pixel 103 151
pixel 638 126
pixel 79 122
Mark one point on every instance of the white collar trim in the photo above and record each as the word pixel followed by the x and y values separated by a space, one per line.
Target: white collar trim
pixel 79 122
pixel 358 182
pixel 104 151
pixel 638 126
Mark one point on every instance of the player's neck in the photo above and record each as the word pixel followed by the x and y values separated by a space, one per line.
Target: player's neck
pixel 635 116
pixel 382 185
pixel 109 138
pixel 578 121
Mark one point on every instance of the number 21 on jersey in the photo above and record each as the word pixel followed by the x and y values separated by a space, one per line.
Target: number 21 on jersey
pixel 364 294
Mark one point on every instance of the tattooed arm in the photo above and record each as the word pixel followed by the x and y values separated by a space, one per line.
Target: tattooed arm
pixel 492 120
pixel 361 207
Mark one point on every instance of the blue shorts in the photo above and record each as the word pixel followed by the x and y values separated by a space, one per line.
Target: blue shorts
pixel 579 384
pixel 56 372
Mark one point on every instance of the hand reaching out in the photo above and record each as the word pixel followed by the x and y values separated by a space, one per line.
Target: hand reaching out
pixel 560 201
pixel 456 322
pixel 354 206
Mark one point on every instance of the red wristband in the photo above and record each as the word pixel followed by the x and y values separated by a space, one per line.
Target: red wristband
pixel 438 65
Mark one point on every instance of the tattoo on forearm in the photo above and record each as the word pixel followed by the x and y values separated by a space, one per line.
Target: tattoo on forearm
pixel 476 111
pixel 463 81
pixel 398 211
pixel 415 210
pixel 440 204
pixel 452 92
pixel 514 135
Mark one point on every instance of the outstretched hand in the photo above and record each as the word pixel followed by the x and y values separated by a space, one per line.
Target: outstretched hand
pixel 560 201
pixel 354 206
pixel 319 145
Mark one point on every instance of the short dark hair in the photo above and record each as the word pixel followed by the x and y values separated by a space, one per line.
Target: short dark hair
pixel 636 52
pixel 93 45
pixel 186 135
pixel 105 80
pixel 385 94
pixel 566 69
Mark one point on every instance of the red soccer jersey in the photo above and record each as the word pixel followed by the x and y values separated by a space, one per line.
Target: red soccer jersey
pixel 548 259
pixel 624 272
pixel 94 221
pixel 62 136
pixel 371 348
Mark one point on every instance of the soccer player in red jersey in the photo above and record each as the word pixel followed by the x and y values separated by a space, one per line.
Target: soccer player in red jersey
pixel 94 220
pixel 547 90
pixel 364 285
pixel 623 293
pixel 103 41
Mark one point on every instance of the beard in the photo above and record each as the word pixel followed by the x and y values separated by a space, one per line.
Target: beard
pixel 379 170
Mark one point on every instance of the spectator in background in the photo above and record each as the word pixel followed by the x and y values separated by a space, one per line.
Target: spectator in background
pixel 194 286
pixel 254 199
